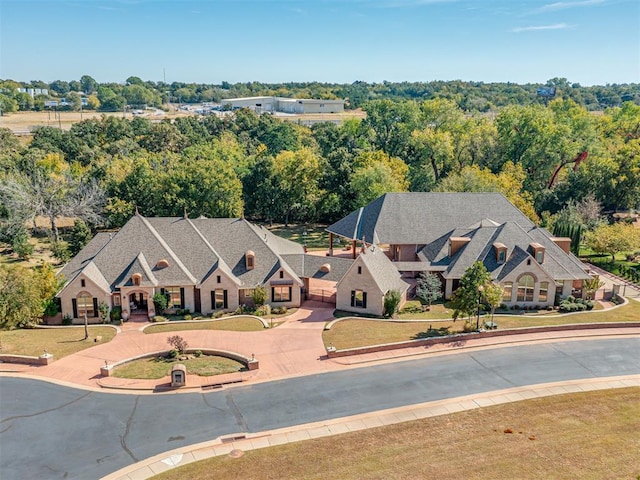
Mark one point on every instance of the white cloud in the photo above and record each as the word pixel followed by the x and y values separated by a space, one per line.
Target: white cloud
pixel 550 7
pixel 555 26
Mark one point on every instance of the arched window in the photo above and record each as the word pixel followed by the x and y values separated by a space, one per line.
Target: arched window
pixel 85 304
pixel 525 288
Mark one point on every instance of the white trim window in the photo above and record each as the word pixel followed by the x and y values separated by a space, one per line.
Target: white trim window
pixel 525 288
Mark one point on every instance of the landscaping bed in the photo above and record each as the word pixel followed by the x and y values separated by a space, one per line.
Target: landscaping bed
pixel 158 366
pixel 236 324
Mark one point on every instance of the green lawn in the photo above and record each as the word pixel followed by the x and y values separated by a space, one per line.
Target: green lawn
pixel 236 324
pixel 604 262
pixel 356 332
pixel 586 436
pixel 58 341
pixel 438 311
pixel 158 367
pixel 316 237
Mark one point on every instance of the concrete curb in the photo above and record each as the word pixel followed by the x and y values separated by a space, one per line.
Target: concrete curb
pixel 253 441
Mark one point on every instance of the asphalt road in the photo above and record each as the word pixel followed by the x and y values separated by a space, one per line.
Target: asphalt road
pixel 52 432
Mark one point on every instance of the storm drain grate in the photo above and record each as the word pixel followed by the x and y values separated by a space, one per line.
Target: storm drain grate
pixel 233 439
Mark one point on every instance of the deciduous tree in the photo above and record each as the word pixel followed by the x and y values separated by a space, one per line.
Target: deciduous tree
pixel 613 239
pixel 466 298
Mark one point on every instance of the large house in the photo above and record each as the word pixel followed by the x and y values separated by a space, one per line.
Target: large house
pixel 201 265
pixel 445 233
pixel 213 264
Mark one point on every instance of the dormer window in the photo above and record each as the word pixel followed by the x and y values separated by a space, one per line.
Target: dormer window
pixel 250 260
pixel 501 252
pixel 281 274
pixel 456 243
pixel 538 252
pixel 162 264
pixel 136 278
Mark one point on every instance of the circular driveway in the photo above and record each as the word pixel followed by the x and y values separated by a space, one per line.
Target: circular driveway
pixel 50 431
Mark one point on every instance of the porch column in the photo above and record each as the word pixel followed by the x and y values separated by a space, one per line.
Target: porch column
pixel 353 249
pixel 330 244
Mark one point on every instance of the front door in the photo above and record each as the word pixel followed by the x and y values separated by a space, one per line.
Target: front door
pixel 138 302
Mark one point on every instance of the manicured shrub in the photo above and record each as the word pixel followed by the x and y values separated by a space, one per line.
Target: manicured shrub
pixel 263 310
pixel 160 303
pixel 116 314
pixel 67 319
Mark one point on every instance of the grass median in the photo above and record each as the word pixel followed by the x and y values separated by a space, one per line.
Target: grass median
pixel 591 436
pixel 236 324
pixel 60 342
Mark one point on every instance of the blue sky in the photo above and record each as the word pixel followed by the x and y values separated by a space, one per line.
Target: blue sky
pixel 523 41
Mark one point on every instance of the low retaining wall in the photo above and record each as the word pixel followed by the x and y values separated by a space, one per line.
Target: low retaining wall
pixel 333 353
pixel 250 362
pixel 45 359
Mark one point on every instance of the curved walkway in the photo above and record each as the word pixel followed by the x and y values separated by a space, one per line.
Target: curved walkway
pixel 293 348
pixel 223 446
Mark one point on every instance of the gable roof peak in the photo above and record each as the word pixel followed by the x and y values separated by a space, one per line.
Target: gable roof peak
pixel 173 255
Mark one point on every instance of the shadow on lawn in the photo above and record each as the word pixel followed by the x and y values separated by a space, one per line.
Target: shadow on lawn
pixel 432 333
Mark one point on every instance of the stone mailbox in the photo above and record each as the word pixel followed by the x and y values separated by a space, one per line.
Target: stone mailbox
pixel 178 375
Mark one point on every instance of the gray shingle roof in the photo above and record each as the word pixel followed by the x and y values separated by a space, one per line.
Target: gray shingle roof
pixel 382 270
pixel 309 266
pixel 557 263
pixel 193 249
pixel 422 217
pixel 72 269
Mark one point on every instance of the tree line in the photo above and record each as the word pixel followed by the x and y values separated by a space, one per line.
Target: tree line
pixel 559 164
pixel 469 96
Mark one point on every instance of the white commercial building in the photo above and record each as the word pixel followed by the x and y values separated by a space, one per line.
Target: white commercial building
pixel 286 105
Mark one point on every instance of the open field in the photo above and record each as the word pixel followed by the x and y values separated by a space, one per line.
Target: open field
pixel 58 341
pixel 237 324
pixel 24 122
pixel 590 436
pixel 357 332
pixel 154 368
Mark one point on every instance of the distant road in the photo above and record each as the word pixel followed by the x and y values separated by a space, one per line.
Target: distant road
pixel 52 432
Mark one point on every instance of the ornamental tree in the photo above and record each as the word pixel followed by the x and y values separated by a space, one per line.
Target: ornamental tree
pixel 466 298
